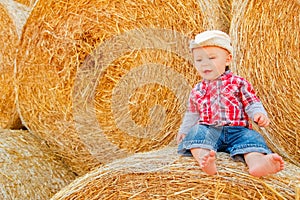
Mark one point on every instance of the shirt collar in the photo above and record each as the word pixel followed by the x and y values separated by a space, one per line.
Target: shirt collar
pixel 225 75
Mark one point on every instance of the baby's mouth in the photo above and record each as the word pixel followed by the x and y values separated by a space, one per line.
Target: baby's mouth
pixel 207 71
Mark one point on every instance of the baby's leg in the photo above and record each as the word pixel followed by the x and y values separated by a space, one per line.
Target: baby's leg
pixel 260 164
pixel 206 159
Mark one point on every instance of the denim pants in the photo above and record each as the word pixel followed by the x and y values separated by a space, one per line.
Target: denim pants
pixel 235 140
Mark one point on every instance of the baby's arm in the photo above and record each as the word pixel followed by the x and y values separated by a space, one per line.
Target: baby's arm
pixel 258 114
pixel 189 120
pixel 253 106
pixel 261 119
pixel 180 137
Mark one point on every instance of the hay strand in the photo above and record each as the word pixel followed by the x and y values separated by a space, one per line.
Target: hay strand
pixel 297 192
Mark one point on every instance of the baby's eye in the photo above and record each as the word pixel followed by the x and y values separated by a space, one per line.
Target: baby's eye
pixel 213 57
pixel 199 60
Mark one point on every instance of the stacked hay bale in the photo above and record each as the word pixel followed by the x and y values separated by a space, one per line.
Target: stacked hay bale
pixel 101 80
pixel 28 169
pixel 267 39
pixel 98 81
pixel 163 175
pixel 9 38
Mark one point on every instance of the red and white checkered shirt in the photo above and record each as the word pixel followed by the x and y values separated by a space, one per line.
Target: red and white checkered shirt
pixel 228 100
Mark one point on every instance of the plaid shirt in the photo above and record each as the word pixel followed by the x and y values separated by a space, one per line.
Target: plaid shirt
pixel 224 101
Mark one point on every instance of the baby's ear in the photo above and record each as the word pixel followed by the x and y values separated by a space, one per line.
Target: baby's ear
pixel 228 59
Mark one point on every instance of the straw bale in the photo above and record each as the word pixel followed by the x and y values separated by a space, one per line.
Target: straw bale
pixel 162 174
pixel 28 169
pixel 113 76
pixel 8 42
pixel 267 39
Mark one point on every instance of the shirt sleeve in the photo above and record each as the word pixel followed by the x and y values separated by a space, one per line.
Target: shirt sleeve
pixel 189 120
pixel 250 101
pixel 191 116
pixel 255 108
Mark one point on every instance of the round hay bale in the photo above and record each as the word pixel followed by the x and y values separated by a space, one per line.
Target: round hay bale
pixel 28 169
pixel 163 174
pixel 9 117
pixel 267 40
pixel 112 76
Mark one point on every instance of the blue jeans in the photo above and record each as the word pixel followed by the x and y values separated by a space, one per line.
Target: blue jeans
pixel 236 140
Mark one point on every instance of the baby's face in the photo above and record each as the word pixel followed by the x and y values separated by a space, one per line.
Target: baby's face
pixel 211 61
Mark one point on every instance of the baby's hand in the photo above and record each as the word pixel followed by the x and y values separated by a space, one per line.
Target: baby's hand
pixel 180 137
pixel 261 119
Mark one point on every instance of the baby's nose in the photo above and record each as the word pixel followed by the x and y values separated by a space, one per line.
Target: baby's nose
pixel 205 63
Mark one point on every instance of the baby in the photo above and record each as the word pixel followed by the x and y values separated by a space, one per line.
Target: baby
pixel 220 110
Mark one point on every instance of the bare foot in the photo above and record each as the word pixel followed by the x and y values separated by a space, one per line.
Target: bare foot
pixel 206 160
pixel 208 164
pixel 261 165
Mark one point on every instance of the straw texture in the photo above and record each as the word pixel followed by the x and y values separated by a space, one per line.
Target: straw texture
pixel 163 175
pixel 217 14
pixel 267 39
pixel 225 12
pixel 297 192
pixel 28 169
pixel 8 43
pixel 29 3
pixel 100 80
pixel 18 14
